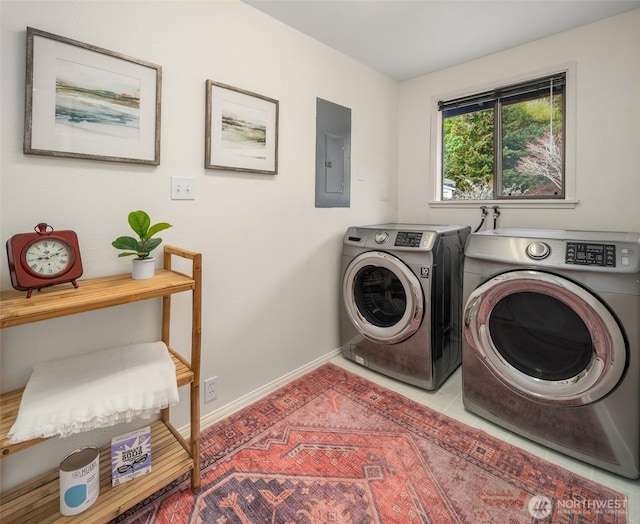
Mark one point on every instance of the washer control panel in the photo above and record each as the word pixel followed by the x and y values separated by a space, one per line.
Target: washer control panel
pixel 408 239
pixel 587 254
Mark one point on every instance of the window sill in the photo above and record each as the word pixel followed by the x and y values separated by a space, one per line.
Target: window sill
pixel 506 204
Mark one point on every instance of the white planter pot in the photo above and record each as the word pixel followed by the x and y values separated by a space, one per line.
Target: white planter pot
pixel 143 268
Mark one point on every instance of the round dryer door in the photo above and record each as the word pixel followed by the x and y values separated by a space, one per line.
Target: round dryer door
pixel 545 337
pixel 383 297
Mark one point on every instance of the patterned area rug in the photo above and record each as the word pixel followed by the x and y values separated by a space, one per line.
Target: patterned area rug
pixel 332 447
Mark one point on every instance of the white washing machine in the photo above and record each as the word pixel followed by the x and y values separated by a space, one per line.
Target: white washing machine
pixel 402 300
pixel 551 346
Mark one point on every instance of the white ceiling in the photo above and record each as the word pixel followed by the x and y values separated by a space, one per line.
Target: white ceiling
pixel 407 38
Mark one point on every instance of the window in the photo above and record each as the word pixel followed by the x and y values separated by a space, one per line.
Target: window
pixel 507 143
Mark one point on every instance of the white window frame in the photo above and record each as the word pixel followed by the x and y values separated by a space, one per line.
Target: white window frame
pixel 570 189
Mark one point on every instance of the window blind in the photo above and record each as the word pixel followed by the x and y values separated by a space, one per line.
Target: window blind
pixel 552 84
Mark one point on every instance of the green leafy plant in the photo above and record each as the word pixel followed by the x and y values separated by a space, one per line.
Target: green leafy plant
pixel 141 225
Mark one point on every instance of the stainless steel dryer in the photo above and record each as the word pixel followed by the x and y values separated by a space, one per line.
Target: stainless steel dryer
pixel 551 346
pixel 402 300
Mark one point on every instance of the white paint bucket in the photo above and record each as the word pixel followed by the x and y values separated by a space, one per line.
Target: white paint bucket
pixel 79 480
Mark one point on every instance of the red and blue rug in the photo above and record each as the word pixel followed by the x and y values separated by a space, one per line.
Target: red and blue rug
pixel 332 447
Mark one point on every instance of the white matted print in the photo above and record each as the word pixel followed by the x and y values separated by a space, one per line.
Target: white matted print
pixel 83 101
pixel 241 130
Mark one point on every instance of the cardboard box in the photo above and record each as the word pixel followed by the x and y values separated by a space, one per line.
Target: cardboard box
pixel 130 455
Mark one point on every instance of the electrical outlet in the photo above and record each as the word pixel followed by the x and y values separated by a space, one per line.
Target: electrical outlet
pixel 210 389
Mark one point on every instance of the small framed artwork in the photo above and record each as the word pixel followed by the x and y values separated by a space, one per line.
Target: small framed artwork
pixel 241 130
pixel 82 101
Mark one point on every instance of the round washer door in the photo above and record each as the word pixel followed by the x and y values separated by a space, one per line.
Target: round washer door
pixel 383 297
pixel 545 337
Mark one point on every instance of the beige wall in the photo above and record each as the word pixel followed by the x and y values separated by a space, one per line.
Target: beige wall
pixel 606 58
pixel 271 259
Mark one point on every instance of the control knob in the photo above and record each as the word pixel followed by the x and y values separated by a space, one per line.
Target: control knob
pixel 538 250
pixel 382 237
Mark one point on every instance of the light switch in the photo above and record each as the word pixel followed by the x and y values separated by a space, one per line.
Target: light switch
pixel 182 188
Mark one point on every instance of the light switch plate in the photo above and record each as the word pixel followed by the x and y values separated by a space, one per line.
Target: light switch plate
pixel 182 188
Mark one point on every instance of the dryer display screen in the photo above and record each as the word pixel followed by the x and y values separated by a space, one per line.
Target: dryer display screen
pixel 591 254
pixel 408 239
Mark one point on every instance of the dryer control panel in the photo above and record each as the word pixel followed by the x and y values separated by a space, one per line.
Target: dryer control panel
pixel 590 251
pixel 583 254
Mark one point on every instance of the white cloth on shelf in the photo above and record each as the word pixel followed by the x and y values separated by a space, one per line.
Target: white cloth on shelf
pixel 95 390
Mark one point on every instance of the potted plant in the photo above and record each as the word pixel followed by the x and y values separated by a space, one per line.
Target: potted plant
pixel 143 264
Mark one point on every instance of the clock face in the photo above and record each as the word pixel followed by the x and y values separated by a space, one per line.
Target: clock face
pixel 47 258
pixel 43 258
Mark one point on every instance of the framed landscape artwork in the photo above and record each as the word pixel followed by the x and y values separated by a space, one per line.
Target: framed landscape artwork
pixel 82 101
pixel 241 130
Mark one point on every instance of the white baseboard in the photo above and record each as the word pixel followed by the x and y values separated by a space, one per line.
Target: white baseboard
pixel 224 411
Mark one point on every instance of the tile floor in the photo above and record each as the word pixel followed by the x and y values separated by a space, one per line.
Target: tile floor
pixel 448 400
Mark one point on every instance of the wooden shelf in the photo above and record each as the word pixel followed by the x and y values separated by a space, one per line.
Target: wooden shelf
pixel 10 403
pixel 38 502
pixel 92 294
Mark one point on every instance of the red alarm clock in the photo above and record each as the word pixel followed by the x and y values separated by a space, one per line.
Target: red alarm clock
pixel 44 258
